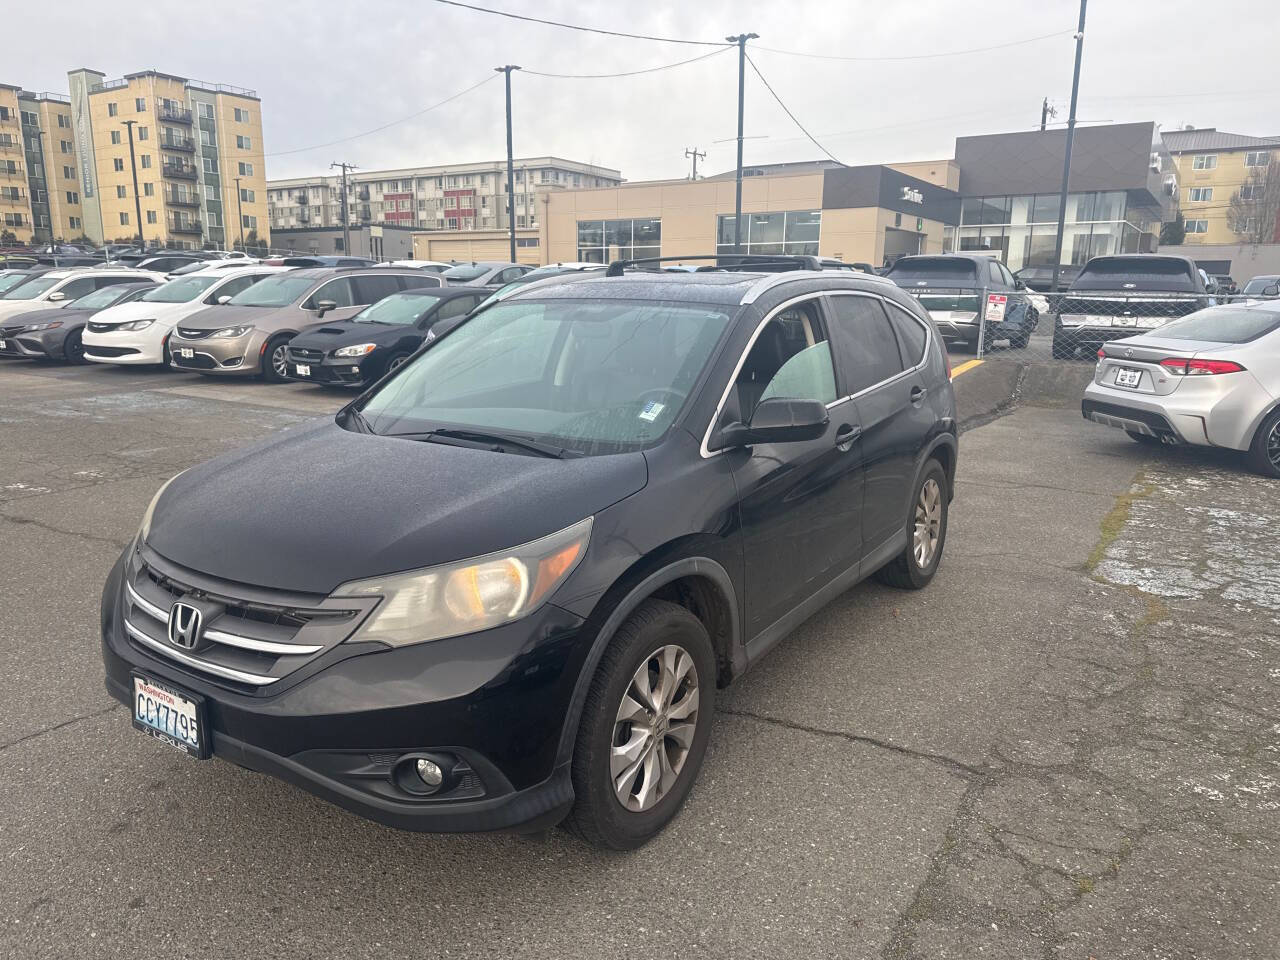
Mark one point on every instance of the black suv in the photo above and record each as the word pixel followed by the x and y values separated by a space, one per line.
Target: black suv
pixel 958 288
pixel 501 588
pixel 1122 295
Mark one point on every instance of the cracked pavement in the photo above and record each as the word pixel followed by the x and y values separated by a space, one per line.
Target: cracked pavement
pixel 1067 747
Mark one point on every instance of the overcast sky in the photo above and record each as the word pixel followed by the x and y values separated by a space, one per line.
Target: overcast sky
pixel 327 71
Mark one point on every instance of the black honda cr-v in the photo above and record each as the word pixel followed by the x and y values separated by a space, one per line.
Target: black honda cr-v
pixel 501 588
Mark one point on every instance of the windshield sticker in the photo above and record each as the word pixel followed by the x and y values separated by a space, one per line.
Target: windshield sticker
pixel 651 410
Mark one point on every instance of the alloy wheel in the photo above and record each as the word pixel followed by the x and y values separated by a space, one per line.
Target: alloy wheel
pixel 654 728
pixel 1273 445
pixel 396 363
pixel 280 360
pixel 928 523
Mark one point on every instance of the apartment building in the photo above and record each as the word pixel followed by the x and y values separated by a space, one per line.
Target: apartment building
pixel 15 196
pixel 466 196
pixel 1213 167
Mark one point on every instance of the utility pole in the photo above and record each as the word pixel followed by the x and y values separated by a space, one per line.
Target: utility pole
pixel 1046 112
pixel 693 152
pixel 741 41
pixel 511 165
pixel 240 216
pixel 137 200
pixel 1066 160
pixel 346 216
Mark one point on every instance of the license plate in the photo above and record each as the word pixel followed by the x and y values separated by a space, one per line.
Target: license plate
pixel 3 345
pixel 170 716
pixel 186 353
pixel 1128 377
pixel 303 369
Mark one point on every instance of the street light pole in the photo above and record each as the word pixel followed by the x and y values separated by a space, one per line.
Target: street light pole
pixel 1066 160
pixel 741 41
pixel 346 215
pixel 137 200
pixel 511 165
pixel 240 215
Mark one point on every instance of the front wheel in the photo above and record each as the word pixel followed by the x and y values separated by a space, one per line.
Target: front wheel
pixel 73 347
pixel 1264 452
pixel 644 727
pixel 275 360
pixel 915 567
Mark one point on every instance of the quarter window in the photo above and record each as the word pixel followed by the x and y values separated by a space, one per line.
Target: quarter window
pixel 911 334
pixel 868 347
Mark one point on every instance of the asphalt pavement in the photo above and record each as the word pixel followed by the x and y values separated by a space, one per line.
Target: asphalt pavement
pixel 1068 746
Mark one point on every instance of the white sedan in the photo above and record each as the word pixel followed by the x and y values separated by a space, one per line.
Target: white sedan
pixel 138 332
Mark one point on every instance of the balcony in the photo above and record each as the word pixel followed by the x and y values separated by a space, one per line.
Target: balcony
pixel 186 144
pixel 175 114
pixel 176 199
pixel 178 171
pixel 185 226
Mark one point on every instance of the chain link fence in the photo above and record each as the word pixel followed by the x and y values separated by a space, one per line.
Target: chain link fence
pixel 1065 326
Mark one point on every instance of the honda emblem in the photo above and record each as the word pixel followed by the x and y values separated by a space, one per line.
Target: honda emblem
pixel 185 625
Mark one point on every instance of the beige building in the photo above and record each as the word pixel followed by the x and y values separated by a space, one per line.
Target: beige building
pixel 15 198
pixel 1212 168
pixel 462 245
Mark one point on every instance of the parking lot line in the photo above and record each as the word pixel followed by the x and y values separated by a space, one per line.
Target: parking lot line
pixel 964 367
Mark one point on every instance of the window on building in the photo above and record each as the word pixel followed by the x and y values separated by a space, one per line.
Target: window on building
pixel 246 169
pixel 1251 191
pixel 242 116
pixel 526 241
pixel 209 165
pixel 73 197
pixel 113 109
pixel 247 196
pixel 213 217
pixel 244 143
pixel 68 173
pixel 140 104
pixel 151 216
pixel 63 120
pixel 74 223
pixel 249 222
pixel 600 241
pixel 1204 161
pixel 1250 224
pixel 1196 226
pixel 115 136
pixel 1200 194
pixel 148 189
pixel 211 192
pixel 790 232
pixel 204 110
pixel 452 222
pixel 124 219
pixel 145 161
pixel 143 133
pixel 1257 158
pixel 120 192
pixel 64 146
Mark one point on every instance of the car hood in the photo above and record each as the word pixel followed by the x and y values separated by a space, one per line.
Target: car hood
pixel 41 314
pixel 11 308
pixel 328 336
pixel 140 310
pixel 318 506
pixel 226 315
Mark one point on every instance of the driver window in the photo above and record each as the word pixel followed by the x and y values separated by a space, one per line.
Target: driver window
pixel 791 358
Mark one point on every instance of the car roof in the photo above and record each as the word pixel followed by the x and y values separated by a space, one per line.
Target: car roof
pixel 971 257
pixel 238 270
pixel 487 263
pixel 324 273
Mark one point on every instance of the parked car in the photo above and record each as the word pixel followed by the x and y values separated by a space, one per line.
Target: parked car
pixel 56 333
pixel 501 587
pixel 113 251
pixel 1211 378
pixel 378 339
pixel 199 266
pixel 484 274
pixel 169 262
pixel 431 266
pixel 248 336
pixel 1226 286
pixel 957 288
pixel 541 273
pixel 138 332
pixel 57 288
pixel 18 261
pixel 1116 295
pixel 1040 277
pixel 320 262
pixel 1266 285
pixel 11 277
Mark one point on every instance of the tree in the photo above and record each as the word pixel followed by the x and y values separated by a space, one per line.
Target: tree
pixel 1254 209
pixel 1173 231
pixel 8 238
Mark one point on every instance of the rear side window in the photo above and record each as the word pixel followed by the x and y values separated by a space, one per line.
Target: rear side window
pixel 912 335
pixel 457 307
pixel 867 347
pixel 74 289
pixel 372 289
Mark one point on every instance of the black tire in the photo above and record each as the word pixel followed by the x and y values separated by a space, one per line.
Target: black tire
pixel 904 571
pixel 1029 327
pixel 1264 452
pixel 73 347
pixel 1143 438
pixel 270 373
pixel 394 361
pixel 598 816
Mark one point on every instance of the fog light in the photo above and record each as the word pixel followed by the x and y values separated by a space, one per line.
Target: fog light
pixel 429 773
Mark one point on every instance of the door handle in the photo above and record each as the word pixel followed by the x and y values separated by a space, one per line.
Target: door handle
pixel 918 394
pixel 846 435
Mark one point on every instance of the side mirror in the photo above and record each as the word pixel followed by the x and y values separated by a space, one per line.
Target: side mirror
pixel 1018 284
pixel 55 297
pixel 1271 290
pixel 324 306
pixel 776 420
pixel 224 299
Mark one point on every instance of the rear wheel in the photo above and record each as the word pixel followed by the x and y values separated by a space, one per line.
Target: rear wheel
pixel 275 362
pixel 915 567
pixel 73 347
pixel 644 727
pixel 1264 453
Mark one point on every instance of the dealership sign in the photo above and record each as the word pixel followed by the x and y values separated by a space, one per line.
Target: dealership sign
pixel 912 195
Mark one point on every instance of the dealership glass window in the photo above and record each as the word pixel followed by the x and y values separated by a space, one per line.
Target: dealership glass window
pixel 600 241
pixel 793 232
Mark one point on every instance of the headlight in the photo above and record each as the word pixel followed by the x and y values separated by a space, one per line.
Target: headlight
pixel 145 528
pixel 135 325
pixel 232 331
pixel 469 595
pixel 358 350
pixel 52 324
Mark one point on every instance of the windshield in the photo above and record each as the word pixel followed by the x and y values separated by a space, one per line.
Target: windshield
pixel 595 377
pixel 468 272
pixel 936 271
pixel 277 291
pixel 1256 285
pixel 398 308
pixel 1141 273
pixel 1223 324
pixel 11 280
pixel 98 299
pixel 32 288
pixel 180 291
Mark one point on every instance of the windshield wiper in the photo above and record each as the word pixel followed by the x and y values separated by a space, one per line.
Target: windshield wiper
pixel 496 440
pixel 360 420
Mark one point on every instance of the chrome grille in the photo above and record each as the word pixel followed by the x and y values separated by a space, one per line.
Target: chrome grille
pixel 251 637
pixel 192 333
pixel 306 355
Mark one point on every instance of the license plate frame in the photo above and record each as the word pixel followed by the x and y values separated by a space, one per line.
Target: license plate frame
pixel 1128 377
pixel 157 690
pixel 302 369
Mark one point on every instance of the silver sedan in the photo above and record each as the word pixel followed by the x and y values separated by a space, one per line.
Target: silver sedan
pixel 1211 378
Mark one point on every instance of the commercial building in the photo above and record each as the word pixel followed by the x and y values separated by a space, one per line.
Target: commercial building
pixel 376 241
pixel 67 162
pixel 1213 168
pixel 462 196
pixel 999 193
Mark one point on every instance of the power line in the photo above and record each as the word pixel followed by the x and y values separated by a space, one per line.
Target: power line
pixel 788 112
pixel 629 73
pixel 574 26
pixel 916 56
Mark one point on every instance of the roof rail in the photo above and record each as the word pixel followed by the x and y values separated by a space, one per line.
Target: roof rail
pixel 762 263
